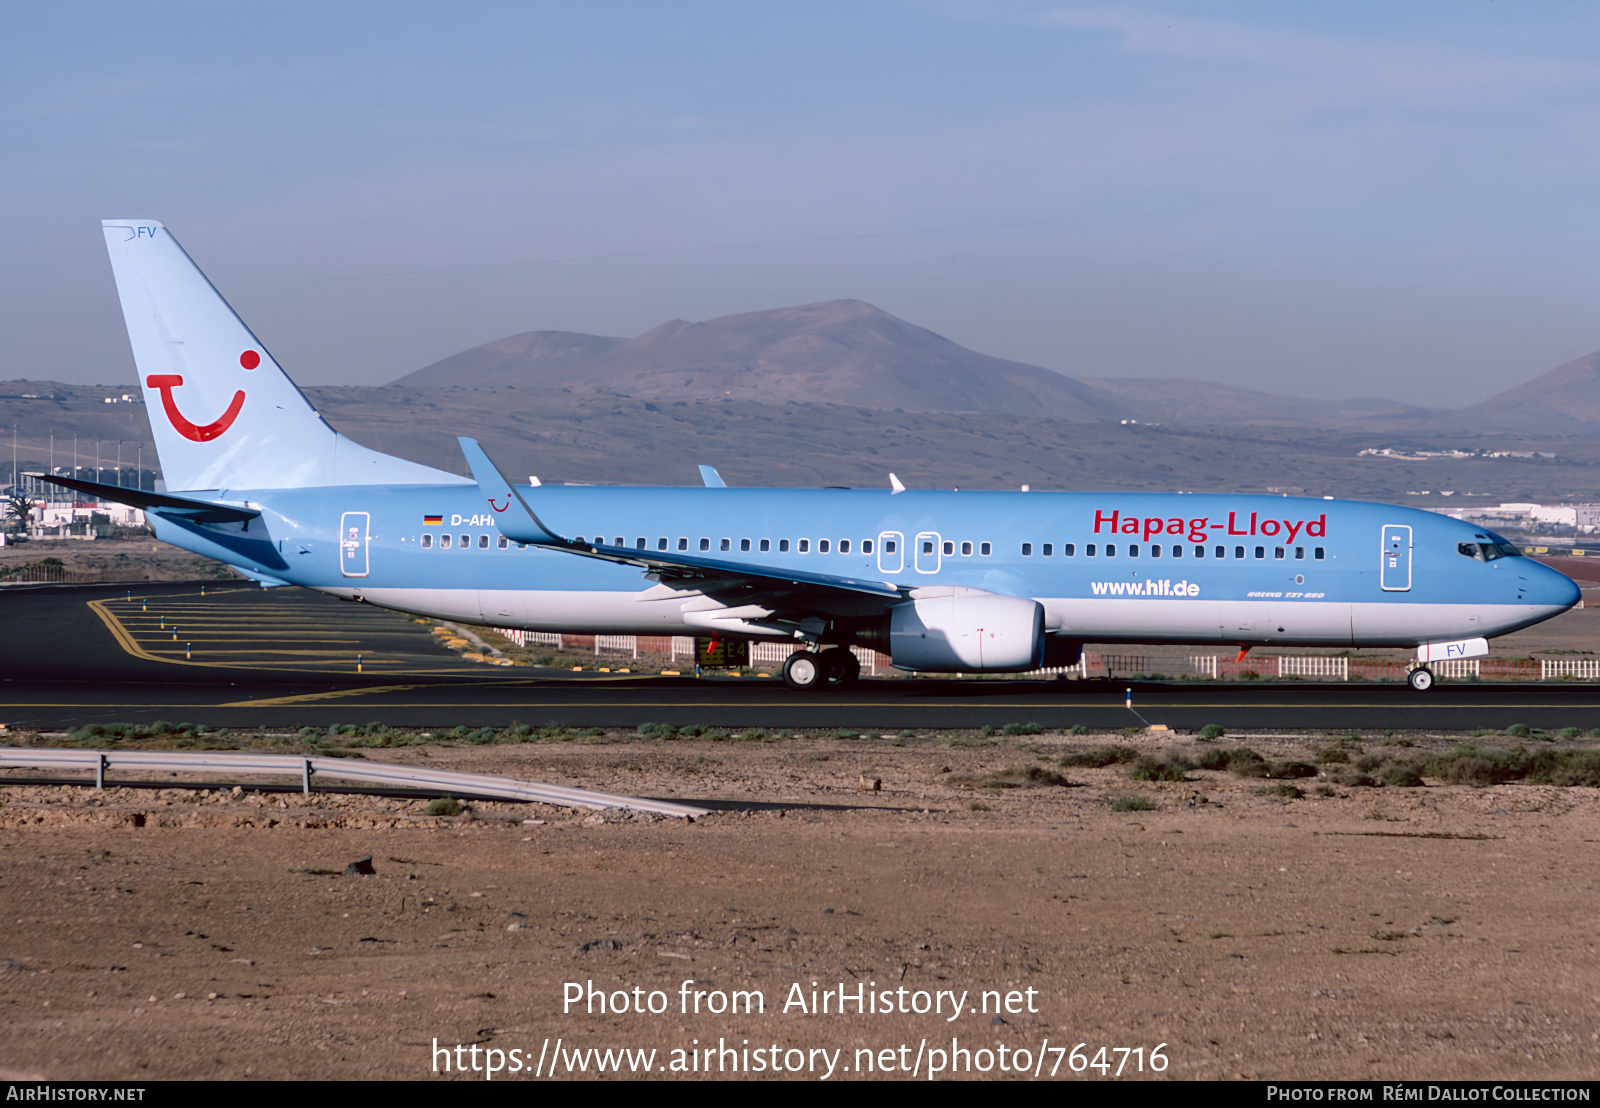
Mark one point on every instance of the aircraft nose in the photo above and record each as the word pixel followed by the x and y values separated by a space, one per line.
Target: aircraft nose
pixel 1550 587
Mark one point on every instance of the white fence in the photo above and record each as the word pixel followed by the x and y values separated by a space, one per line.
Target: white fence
pixel 1583 669
pixel 1213 667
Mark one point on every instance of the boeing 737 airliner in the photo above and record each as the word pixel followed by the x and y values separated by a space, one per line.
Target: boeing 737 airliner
pixel 966 582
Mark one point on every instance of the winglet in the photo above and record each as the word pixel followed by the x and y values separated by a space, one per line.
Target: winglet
pixel 513 517
pixel 712 479
pixel 894 483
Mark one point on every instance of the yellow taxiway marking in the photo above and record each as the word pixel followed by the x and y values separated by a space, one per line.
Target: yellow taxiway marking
pixel 306 697
pixel 265 642
pixel 126 640
pixel 130 644
pixel 155 619
pixel 368 658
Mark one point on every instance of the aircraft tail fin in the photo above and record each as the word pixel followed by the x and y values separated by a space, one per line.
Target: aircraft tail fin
pixel 223 413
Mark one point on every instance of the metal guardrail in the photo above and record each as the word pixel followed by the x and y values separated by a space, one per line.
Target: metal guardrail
pixel 293 765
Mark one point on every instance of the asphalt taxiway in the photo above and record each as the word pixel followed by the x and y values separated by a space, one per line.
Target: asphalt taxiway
pixel 239 656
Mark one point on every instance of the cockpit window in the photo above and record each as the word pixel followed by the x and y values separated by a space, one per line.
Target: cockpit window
pixel 1487 551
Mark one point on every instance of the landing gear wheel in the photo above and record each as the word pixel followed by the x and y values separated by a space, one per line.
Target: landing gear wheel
pixel 843 666
pixel 1421 678
pixel 804 670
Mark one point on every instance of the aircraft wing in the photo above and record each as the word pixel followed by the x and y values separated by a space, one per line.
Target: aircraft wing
pixel 518 522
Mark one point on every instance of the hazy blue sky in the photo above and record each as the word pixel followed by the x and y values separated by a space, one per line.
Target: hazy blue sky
pixel 1333 199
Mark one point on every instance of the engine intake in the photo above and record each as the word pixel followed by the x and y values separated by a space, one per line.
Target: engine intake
pixel 968 631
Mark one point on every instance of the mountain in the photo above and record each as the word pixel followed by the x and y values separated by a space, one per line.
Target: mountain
pixel 1565 401
pixel 851 353
pixel 838 352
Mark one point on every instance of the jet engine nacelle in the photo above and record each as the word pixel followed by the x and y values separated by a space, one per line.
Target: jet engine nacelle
pixel 956 629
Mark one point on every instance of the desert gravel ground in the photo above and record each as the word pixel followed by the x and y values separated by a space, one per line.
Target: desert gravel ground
pixel 1373 933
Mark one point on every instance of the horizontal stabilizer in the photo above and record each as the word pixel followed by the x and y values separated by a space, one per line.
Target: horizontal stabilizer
pixel 174 507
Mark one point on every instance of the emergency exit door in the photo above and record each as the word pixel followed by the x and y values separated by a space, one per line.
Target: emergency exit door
pixel 1395 570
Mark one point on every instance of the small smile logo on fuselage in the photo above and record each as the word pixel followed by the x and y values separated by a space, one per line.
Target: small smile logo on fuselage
pixel 497 507
pixel 197 432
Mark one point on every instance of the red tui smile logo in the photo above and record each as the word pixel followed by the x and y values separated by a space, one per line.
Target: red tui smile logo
pixel 194 432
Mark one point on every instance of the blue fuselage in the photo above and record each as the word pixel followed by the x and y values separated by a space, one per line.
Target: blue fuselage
pixel 1106 567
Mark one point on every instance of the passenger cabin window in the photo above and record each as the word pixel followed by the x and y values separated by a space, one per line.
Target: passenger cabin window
pixel 949 548
pixel 783 546
pixel 985 549
pixel 1261 552
pixel 804 546
pixel 705 545
pixel 1238 552
pixel 620 541
pixel 866 546
pixel 844 546
pixel 744 546
pixel 1027 550
pixel 466 542
pixel 1155 550
pixel 639 543
pixel 683 543
pixel 427 542
pixel 725 544
pixel 1317 553
pixel 822 546
pixel 966 549
pixel 661 543
pixel 1177 551
pixel 1088 551
pixel 1133 550
pixel 503 543
pixel 483 542
pixel 1047 549
pixel 1199 552
pixel 1277 553
pixel 1111 550
pixel 1299 553
pixel 888 546
pixel 444 542
pixel 1070 550
pixel 766 545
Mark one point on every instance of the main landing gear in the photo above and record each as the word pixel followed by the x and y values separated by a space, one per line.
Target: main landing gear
pixel 1420 677
pixel 835 666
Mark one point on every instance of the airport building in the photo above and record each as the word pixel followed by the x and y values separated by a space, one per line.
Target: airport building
pixel 1579 518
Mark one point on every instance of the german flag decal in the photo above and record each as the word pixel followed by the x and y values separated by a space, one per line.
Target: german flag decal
pixel 432 521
